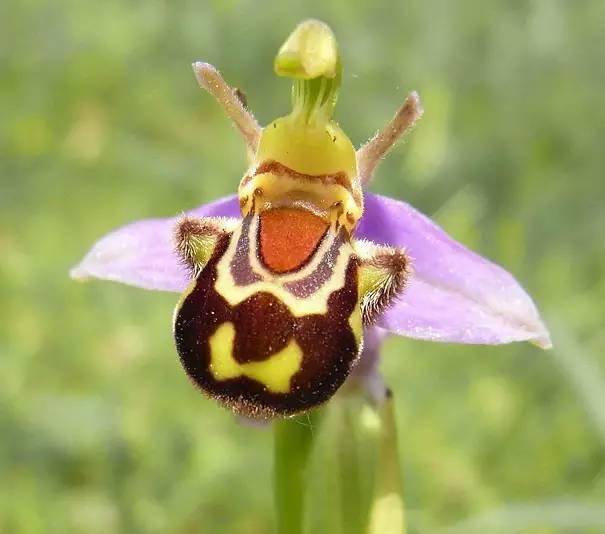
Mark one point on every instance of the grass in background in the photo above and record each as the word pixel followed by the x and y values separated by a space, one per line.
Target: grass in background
pixel 102 123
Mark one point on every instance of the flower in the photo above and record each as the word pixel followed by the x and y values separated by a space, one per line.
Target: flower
pixel 306 182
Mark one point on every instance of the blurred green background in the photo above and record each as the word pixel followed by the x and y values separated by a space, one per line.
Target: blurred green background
pixel 102 122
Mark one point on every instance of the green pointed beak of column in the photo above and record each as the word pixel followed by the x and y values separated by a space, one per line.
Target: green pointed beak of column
pixel 309 52
pixel 308 140
pixel 310 57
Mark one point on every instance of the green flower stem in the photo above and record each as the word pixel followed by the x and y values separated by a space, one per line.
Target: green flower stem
pixel 293 442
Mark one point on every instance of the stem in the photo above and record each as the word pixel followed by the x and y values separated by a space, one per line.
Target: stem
pixel 293 439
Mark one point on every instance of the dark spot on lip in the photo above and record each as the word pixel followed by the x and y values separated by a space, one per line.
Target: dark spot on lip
pixel 264 326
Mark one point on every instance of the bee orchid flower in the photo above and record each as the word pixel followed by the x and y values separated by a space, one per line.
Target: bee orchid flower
pixel 282 282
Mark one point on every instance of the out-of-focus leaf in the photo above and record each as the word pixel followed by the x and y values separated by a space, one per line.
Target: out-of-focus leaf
pixel 387 514
pixel 354 484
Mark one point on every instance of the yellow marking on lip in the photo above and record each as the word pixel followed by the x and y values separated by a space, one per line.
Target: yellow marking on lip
pixel 275 373
pixel 299 307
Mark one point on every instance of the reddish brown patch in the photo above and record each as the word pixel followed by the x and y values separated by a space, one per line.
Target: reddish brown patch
pixel 288 237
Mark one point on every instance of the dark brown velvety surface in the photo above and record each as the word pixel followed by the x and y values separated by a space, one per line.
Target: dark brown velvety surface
pixel 264 325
